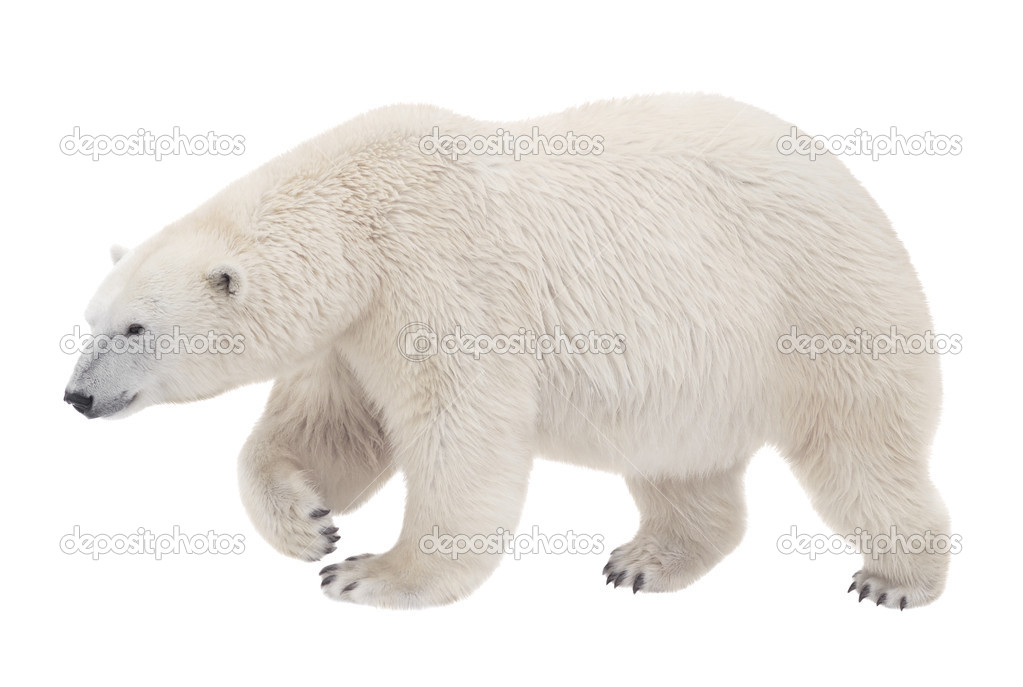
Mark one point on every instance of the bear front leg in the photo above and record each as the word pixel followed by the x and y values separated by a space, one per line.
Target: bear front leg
pixel 283 502
pixel 317 449
pixel 466 469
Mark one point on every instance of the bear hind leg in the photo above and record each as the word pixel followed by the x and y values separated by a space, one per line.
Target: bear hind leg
pixel 687 525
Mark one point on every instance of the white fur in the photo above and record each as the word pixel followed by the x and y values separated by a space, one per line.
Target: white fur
pixel 690 235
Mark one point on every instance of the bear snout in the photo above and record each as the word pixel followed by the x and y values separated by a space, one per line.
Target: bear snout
pixel 79 402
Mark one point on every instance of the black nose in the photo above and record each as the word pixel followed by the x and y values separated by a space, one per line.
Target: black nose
pixel 81 403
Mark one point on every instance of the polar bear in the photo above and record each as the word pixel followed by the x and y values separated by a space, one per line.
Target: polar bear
pixel 671 224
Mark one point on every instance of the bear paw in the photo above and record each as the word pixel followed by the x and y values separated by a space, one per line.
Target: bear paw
pixel 645 565
pixel 883 593
pixel 375 581
pixel 291 517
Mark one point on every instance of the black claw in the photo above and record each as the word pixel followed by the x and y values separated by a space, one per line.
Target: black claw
pixel 327 580
pixel 358 558
pixel 607 568
pixel 319 513
pixel 329 551
pixel 881 599
pixel 637 584
pixel 610 578
pixel 621 576
pixel 851 587
pixel 350 587
pixel 902 604
pixel 329 569
pixel 333 538
pixel 328 530
pixel 864 592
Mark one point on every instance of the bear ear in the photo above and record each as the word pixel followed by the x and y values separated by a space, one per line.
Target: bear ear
pixel 117 252
pixel 226 280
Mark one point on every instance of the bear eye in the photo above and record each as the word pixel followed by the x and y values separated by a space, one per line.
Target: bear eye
pixel 135 329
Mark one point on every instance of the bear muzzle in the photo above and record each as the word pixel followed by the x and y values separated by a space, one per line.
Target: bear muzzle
pixel 80 402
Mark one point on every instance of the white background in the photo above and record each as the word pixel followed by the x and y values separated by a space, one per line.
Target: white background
pixel 281 76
